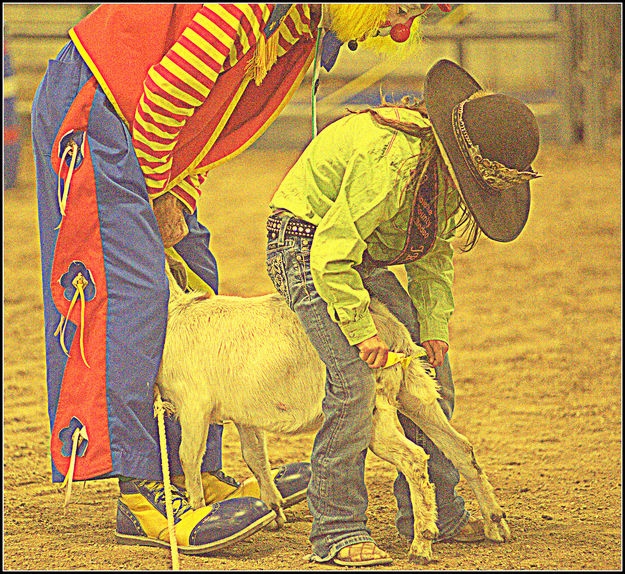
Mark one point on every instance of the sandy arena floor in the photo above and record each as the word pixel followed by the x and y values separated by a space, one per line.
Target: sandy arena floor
pixel 535 349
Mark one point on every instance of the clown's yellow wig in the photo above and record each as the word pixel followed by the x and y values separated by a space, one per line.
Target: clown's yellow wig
pixel 353 21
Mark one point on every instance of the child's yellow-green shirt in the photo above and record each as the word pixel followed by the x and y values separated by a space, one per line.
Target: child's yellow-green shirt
pixel 351 182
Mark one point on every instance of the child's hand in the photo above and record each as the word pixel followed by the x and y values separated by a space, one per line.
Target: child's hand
pixel 374 352
pixel 436 351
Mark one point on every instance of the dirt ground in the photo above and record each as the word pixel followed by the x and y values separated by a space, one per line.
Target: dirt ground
pixel 535 349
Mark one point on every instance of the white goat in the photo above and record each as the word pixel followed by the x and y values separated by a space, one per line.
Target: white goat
pixel 249 361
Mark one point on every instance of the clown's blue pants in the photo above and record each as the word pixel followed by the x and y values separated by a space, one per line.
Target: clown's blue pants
pixel 103 266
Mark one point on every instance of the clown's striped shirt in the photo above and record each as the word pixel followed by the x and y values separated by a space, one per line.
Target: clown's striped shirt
pixel 215 40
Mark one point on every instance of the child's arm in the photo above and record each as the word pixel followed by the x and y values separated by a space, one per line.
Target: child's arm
pixel 363 202
pixel 430 281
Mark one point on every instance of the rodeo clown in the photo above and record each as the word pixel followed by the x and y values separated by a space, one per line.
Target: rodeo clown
pixel 131 114
pixel 389 186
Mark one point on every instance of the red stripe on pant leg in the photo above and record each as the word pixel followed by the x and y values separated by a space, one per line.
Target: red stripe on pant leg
pixel 83 389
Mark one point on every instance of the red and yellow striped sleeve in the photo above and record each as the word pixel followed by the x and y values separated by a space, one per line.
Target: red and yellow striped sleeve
pixel 296 25
pixel 217 37
pixel 188 190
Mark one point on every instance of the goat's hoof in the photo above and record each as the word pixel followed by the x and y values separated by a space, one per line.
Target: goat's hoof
pixel 273 526
pixel 420 552
pixel 279 521
pixel 419 559
pixel 498 516
pixel 197 504
pixel 505 530
pixel 430 532
pixel 497 531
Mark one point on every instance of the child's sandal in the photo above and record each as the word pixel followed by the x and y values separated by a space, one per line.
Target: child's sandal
pixel 362 554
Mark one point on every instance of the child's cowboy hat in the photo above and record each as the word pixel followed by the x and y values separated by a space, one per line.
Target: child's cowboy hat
pixel 488 142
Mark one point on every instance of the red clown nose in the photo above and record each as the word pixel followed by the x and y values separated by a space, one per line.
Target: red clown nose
pixel 401 32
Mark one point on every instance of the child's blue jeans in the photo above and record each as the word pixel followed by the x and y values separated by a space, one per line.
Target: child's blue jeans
pixel 337 496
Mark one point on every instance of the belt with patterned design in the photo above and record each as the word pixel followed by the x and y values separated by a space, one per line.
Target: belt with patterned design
pixel 294 228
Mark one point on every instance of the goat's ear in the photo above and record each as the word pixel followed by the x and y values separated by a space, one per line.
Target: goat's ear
pixel 177 270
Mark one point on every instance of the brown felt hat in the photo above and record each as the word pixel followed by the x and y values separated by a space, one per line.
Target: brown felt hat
pixel 489 142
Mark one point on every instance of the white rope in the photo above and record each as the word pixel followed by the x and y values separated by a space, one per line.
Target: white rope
pixel 59 195
pixel 315 81
pixel 79 435
pixel 72 149
pixel 159 413
pixel 70 473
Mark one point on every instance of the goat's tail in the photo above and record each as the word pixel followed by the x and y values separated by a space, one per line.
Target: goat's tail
pixel 420 380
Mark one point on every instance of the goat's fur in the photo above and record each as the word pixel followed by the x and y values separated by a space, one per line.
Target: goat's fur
pixel 249 361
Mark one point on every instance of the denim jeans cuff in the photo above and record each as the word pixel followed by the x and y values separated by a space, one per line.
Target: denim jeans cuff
pixel 449 530
pixel 337 546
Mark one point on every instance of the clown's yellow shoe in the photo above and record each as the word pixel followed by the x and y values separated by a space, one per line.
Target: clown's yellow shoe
pixel 291 481
pixel 142 519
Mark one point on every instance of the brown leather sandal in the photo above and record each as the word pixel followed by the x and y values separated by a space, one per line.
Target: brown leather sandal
pixel 362 554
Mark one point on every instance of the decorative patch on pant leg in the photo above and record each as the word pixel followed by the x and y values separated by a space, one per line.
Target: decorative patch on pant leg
pixel 78 284
pixel 72 152
pixel 66 437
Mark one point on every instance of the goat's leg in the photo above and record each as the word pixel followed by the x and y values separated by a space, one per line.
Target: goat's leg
pixel 390 444
pixel 433 422
pixel 195 426
pixel 254 450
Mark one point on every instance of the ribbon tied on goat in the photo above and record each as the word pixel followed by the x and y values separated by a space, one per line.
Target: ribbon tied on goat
pixel 394 358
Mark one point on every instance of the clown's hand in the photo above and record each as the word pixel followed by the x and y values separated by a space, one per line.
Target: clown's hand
pixel 169 212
